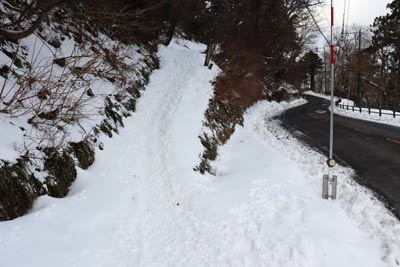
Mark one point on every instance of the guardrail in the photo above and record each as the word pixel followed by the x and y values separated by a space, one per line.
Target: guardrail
pixel 371 110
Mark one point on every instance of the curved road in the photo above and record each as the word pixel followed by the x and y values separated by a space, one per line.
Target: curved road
pixel 371 149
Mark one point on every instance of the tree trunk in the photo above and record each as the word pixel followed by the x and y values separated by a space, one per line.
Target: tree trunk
pixel 312 78
pixel 209 53
pixel 173 13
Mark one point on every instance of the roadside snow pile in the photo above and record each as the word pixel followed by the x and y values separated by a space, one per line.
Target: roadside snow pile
pixel 386 118
pixel 141 204
pixel 356 202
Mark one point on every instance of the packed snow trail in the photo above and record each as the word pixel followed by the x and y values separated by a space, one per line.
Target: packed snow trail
pixel 141 204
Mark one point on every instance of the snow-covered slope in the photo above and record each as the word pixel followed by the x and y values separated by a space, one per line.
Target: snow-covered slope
pixel 61 88
pixel 141 204
pixel 74 90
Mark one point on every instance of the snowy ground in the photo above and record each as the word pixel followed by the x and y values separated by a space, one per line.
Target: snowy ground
pixel 386 118
pixel 141 204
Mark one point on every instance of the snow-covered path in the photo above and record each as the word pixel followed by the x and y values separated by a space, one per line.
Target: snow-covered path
pixel 141 204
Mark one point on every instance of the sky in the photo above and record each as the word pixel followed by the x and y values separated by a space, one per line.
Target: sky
pixel 360 12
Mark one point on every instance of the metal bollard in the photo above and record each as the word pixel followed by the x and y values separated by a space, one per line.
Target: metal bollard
pixel 325 183
pixel 329 183
pixel 334 187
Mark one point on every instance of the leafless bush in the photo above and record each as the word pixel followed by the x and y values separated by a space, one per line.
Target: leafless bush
pixel 54 92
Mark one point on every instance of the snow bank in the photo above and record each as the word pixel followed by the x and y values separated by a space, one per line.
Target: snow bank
pixel 356 204
pixel 141 204
pixel 11 135
pixel 386 118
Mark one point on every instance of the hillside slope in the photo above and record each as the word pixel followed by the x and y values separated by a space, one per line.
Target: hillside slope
pixel 141 203
pixel 61 88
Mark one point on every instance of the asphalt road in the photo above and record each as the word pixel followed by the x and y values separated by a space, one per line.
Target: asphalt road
pixel 371 149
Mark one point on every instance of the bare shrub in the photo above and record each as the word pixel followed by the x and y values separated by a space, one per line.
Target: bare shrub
pixel 54 92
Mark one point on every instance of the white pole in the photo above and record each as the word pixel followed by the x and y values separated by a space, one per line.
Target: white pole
pixel 331 163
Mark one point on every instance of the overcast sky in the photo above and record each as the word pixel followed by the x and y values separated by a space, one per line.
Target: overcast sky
pixel 361 12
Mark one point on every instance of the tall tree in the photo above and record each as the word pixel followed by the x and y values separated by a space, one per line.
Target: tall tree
pixel 386 42
pixel 311 63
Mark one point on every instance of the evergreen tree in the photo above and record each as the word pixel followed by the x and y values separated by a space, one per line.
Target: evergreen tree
pixel 386 41
pixel 387 33
pixel 311 64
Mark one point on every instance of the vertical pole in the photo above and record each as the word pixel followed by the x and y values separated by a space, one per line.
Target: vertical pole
pixel 325 81
pixel 359 69
pixel 332 84
pixel 331 162
pixel 349 85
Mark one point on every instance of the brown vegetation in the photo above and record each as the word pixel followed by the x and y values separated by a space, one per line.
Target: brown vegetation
pixel 240 83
